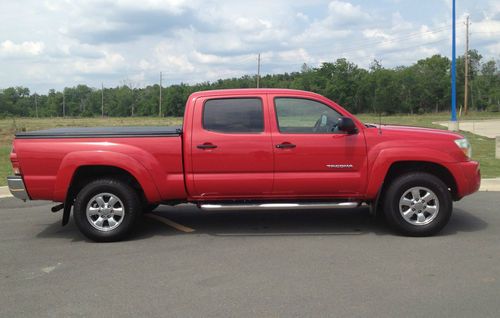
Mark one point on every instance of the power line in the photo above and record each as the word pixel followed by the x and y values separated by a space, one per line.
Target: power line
pixel 399 35
pixel 401 38
pixel 483 32
pixel 402 48
pixel 159 106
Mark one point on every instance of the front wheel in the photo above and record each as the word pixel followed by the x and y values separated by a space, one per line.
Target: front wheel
pixel 105 210
pixel 418 204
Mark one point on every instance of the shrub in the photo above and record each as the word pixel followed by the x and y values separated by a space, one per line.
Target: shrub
pixel 493 108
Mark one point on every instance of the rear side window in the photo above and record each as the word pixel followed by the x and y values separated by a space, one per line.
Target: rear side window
pixel 234 115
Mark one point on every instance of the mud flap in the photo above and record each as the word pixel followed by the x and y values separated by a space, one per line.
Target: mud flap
pixel 375 205
pixel 67 211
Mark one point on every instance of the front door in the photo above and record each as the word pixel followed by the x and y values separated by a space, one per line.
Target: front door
pixel 313 158
pixel 231 149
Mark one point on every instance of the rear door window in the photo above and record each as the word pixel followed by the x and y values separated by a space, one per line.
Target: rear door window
pixel 234 115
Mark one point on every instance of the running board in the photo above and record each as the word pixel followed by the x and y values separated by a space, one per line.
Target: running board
pixel 280 206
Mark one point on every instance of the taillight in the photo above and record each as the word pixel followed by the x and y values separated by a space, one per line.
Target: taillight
pixel 15 163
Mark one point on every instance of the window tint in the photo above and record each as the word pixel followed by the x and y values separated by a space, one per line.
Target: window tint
pixel 296 115
pixel 235 115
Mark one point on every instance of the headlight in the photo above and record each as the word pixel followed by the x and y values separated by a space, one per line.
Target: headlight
pixel 465 146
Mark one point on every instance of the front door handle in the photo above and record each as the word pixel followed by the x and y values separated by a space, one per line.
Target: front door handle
pixel 285 145
pixel 206 145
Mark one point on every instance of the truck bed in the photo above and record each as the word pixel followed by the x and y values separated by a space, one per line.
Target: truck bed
pixel 153 155
pixel 96 132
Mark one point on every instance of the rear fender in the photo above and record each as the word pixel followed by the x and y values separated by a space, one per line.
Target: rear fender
pixel 74 160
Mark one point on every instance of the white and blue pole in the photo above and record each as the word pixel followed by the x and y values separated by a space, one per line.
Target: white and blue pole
pixel 453 123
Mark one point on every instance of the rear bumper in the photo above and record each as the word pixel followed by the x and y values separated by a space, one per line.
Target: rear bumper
pixel 467 176
pixel 17 188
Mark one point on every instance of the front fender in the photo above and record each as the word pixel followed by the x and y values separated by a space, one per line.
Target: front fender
pixel 379 167
pixel 74 160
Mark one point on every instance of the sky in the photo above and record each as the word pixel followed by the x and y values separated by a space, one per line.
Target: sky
pixel 55 44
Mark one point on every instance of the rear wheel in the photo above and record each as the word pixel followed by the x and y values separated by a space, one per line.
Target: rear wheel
pixel 106 210
pixel 418 204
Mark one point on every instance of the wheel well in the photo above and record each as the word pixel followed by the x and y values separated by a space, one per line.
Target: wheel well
pixel 85 174
pixel 399 168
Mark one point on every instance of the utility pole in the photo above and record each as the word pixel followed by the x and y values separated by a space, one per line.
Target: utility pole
pixel 258 71
pixel 159 113
pixel 36 106
pixel 453 126
pixel 64 103
pixel 102 100
pixel 466 90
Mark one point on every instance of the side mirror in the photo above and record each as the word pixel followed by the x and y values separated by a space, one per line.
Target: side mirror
pixel 346 124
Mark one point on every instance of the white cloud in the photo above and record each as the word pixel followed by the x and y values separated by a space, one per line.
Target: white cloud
pixel 299 54
pixel 170 58
pixel 10 48
pixel 343 11
pixel 110 63
pixel 55 43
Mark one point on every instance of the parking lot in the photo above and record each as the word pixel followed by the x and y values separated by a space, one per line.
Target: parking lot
pixel 487 128
pixel 189 263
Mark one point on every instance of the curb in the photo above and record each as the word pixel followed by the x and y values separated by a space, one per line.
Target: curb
pixel 492 184
pixel 4 192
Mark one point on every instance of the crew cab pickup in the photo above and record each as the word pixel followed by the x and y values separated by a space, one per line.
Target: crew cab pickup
pixel 246 149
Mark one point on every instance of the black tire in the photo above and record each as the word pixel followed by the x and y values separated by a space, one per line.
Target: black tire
pixel 127 197
pixel 399 186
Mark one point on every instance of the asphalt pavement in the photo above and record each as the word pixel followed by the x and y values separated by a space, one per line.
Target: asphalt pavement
pixel 187 263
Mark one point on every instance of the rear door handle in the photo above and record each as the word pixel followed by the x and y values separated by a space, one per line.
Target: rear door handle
pixel 206 145
pixel 285 145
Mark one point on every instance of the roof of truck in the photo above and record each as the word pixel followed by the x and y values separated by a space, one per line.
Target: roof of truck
pixel 244 91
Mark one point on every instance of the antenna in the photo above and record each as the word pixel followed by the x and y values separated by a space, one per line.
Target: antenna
pixel 102 100
pixel 64 103
pixel 258 71
pixel 380 123
pixel 36 105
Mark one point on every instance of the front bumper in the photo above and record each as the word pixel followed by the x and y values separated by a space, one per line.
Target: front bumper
pixel 17 188
pixel 467 176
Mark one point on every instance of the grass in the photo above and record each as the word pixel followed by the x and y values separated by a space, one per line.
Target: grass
pixel 483 149
pixel 425 120
pixel 5 167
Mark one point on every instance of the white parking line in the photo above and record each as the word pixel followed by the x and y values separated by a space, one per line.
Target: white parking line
pixel 171 223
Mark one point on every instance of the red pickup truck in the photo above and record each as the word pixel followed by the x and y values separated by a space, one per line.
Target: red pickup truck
pixel 246 149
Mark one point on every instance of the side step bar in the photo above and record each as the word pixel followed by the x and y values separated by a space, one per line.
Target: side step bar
pixel 280 206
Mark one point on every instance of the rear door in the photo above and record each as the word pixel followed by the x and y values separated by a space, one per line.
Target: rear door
pixel 231 149
pixel 313 158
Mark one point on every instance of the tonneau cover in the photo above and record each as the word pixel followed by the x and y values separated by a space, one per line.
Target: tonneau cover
pixel 99 132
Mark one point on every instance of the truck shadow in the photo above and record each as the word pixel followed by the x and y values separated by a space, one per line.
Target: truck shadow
pixel 145 229
pixel 349 222
pixel 290 223
pixel 463 221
